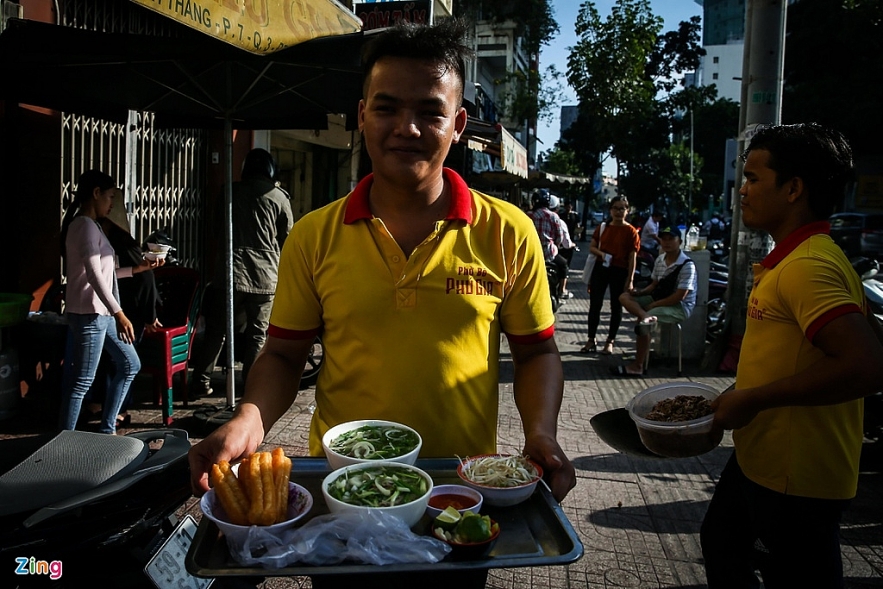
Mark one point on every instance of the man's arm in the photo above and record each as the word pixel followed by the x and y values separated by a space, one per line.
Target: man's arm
pixel 271 389
pixel 671 300
pixel 852 368
pixel 539 388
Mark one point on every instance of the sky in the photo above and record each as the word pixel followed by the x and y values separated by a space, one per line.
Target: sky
pixel 555 53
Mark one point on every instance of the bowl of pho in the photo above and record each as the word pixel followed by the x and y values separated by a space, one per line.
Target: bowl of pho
pixel 370 440
pixel 400 490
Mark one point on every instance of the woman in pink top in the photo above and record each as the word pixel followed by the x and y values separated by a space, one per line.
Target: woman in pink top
pixel 96 321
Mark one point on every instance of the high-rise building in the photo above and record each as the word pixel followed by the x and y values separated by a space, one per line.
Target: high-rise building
pixel 723 37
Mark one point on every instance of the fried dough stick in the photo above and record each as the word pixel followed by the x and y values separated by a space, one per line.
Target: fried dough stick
pixel 230 493
pixel 261 492
pixel 281 476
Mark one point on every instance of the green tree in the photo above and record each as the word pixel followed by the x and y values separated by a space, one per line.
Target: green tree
pixel 532 95
pixel 623 69
pixel 534 19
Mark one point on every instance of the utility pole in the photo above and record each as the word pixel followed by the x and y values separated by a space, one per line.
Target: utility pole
pixel 762 80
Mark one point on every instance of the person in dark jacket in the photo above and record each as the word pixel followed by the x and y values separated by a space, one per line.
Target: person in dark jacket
pixel 262 218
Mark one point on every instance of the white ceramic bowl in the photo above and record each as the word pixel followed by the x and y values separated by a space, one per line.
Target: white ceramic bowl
pixel 467 497
pixel 500 496
pixel 675 439
pixel 158 248
pixel 154 256
pixel 300 501
pixel 337 460
pixel 410 513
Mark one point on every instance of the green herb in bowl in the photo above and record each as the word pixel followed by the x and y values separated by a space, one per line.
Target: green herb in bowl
pixel 375 442
pixel 379 486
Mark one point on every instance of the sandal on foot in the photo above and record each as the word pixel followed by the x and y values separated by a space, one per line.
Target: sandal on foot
pixel 589 348
pixel 608 349
pixel 620 370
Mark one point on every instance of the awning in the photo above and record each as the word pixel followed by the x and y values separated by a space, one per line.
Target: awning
pixel 261 27
pixel 540 179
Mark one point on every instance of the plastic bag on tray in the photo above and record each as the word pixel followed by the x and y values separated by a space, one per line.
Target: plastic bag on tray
pixel 365 537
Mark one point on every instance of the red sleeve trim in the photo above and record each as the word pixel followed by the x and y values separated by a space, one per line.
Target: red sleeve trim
pixel 829 316
pixel 290 334
pixel 533 338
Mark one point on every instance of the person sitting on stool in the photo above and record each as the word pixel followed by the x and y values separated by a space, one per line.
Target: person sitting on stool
pixel 670 296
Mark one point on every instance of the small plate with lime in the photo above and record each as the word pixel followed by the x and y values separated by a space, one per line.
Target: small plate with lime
pixel 470 535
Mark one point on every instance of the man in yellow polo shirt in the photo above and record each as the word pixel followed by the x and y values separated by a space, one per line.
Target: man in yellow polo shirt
pixel 807 359
pixel 411 279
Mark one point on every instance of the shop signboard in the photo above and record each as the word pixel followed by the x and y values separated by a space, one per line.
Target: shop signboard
pixel 378 15
pixel 260 26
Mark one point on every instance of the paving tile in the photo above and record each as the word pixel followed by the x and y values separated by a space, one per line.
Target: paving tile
pixel 638 518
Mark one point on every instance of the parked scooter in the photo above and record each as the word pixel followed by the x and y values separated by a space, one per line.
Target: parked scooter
pixel 869 270
pixel 644 268
pixel 716 309
pixel 81 509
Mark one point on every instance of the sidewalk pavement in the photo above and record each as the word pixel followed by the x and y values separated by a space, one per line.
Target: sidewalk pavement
pixel 638 518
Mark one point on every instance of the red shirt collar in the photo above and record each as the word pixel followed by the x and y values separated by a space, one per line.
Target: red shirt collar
pixel 461 199
pixel 794 239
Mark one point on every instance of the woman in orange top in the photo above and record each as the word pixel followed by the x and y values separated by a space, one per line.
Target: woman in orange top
pixel 616 248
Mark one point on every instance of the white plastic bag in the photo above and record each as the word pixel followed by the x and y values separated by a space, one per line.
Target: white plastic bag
pixel 591 258
pixel 366 537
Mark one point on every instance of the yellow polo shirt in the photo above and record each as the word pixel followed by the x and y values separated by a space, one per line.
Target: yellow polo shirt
pixel 804 283
pixel 413 339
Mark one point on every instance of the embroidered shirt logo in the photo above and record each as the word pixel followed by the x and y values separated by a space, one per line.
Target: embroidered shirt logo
pixel 754 311
pixel 469 281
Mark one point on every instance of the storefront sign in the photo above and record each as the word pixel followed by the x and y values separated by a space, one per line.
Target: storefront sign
pixel 260 26
pixel 514 154
pixel 378 15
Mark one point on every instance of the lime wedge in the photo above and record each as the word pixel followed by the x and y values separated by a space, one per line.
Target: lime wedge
pixel 448 518
pixel 474 528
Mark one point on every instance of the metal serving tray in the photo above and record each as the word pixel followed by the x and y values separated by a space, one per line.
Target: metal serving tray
pixel 533 533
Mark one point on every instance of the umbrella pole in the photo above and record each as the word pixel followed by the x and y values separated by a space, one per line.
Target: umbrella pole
pixel 228 214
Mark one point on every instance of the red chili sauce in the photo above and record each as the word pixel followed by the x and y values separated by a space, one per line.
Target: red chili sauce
pixel 455 501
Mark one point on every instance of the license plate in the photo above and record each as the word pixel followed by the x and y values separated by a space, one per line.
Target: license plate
pixel 166 568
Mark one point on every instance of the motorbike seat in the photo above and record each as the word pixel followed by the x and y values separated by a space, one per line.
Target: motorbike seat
pixel 76 468
pixel 72 462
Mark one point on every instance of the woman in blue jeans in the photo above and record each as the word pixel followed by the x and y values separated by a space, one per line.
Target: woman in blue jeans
pixel 96 321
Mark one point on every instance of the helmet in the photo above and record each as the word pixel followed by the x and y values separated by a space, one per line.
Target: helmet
pixel 553 202
pixel 259 164
pixel 540 197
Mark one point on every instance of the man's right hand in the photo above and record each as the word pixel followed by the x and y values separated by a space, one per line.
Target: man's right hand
pixel 236 439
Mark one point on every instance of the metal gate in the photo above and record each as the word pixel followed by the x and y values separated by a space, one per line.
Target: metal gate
pixel 161 172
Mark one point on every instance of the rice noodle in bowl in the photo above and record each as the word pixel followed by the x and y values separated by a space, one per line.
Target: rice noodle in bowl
pixel 502 479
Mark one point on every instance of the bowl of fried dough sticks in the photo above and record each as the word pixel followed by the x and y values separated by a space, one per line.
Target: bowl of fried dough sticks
pixel 255 492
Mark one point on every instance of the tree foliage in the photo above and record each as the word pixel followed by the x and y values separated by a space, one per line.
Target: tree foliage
pixel 534 19
pixel 531 94
pixel 625 72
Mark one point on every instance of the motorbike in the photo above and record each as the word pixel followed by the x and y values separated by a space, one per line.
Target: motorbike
pixel 718 251
pixel 869 270
pixel 716 309
pixel 81 509
pixel 554 284
pixel 644 263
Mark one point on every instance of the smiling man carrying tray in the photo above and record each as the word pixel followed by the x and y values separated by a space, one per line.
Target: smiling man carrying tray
pixel 410 279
